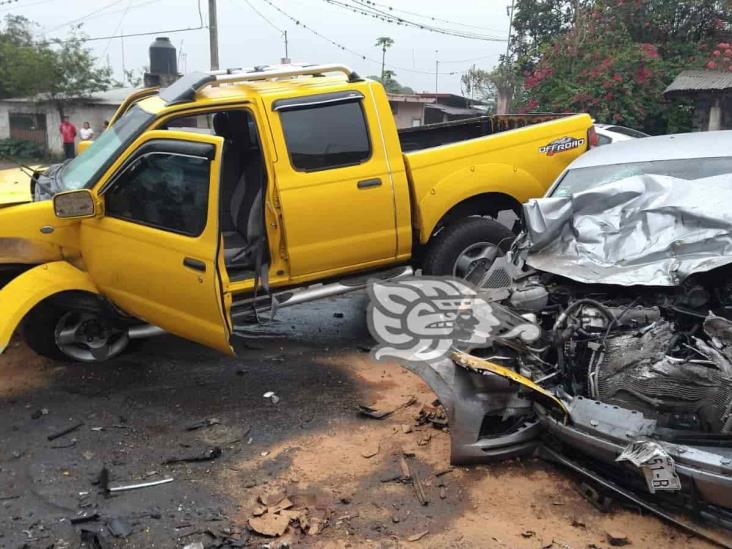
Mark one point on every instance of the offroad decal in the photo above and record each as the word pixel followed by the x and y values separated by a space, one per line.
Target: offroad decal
pixel 560 145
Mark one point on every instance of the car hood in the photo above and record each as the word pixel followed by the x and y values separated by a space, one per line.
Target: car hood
pixel 15 186
pixel 644 230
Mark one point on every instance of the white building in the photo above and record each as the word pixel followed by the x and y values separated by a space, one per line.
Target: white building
pixel 37 118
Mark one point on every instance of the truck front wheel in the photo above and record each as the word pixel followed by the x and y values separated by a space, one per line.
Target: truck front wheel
pixel 466 248
pixel 70 335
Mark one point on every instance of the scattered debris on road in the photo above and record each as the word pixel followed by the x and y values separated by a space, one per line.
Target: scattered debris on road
pixel 66 431
pixel 208 455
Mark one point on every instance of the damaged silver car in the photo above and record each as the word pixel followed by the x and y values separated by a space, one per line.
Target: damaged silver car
pixel 624 275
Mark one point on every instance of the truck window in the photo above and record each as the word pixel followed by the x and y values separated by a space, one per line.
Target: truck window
pixel 163 190
pixel 322 137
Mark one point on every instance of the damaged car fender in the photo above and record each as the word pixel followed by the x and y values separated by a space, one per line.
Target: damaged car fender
pixel 27 290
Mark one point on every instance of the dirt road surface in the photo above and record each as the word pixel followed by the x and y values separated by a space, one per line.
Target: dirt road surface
pixel 311 445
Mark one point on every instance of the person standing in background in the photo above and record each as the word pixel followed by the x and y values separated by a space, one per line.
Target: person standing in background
pixel 68 133
pixel 86 133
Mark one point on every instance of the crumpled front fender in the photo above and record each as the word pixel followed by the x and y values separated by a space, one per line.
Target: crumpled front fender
pixel 25 291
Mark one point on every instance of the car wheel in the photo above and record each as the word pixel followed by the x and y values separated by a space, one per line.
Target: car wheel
pixel 467 248
pixel 69 335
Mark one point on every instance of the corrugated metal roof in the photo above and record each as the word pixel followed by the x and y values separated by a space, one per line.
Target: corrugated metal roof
pixel 455 111
pixel 699 79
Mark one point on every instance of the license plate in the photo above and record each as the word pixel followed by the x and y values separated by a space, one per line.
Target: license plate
pixel 657 466
pixel 660 473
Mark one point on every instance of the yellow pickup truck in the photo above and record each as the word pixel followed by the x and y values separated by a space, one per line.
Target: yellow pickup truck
pixel 229 194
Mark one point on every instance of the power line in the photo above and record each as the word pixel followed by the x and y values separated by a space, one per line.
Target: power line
pixel 363 9
pixel 8 2
pixel 424 16
pixel 340 46
pixel 263 17
pixel 87 16
pixel 167 31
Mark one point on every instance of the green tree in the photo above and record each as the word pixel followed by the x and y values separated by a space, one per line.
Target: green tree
pixel 390 84
pixel 64 69
pixel 76 74
pixel 614 58
pixel 383 42
pixel 25 66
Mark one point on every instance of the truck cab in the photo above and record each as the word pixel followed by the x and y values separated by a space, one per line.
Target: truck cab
pixel 219 198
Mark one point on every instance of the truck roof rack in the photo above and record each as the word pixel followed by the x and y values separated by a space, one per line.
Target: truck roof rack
pixel 270 72
pixel 184 89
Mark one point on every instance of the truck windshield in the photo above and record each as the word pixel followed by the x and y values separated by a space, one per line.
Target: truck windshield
pixel 84 170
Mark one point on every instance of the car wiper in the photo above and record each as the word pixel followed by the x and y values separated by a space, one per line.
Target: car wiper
pixel 27 170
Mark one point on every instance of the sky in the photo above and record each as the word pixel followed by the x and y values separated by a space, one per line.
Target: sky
pixel 251 33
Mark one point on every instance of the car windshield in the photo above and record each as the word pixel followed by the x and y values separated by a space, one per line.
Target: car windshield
pixel 83 171
pixel 582 179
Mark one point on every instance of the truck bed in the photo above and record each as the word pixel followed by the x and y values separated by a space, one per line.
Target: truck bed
pixel 435 135
pixel 513 156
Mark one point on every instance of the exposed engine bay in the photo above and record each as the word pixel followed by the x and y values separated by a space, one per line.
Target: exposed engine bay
pixel 664 352
pixel 613 354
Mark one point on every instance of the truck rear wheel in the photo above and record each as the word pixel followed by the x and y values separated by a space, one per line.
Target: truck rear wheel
pixel 69 335
pixel 466 248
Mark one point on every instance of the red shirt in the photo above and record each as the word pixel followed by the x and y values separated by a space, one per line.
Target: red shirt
pixel 68 131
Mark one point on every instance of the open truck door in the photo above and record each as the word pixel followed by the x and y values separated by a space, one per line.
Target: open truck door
pixel 154 249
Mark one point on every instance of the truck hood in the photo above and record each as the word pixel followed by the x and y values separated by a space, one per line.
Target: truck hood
pixel 15 186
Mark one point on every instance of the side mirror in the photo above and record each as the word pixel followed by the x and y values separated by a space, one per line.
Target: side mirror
pixel 83 145
pixel 77 204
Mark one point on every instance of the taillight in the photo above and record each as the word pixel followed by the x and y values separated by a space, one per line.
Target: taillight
pixel 592 138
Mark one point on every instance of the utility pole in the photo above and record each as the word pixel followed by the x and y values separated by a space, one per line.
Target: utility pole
pixel 286 58
pixel 122 44
pixel 213 35
pixel 510 25
pixel 437 70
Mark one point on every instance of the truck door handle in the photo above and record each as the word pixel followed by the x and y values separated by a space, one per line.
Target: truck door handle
pixel 195 264
pixel 367 183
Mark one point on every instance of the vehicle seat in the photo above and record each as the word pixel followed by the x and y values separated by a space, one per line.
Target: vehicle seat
pixel 230 168
pixel 246 206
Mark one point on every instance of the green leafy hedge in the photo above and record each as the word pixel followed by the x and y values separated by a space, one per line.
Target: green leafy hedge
pixel 20 148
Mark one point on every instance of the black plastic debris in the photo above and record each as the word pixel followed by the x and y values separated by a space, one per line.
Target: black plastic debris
pixel 208 455
pixel 66 431
pixel 84 518
pixel 208 422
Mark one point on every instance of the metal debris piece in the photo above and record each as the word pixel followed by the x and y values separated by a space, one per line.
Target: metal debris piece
pixel 84 518
pixel 208 455
pixel 371 411
pixel 65 431
pixel 272 397
pixel 194 545
pixel 418 536
pixel 411 476
pixel 119 528
pixel 126 487
pixel 39 413
pixel 208 422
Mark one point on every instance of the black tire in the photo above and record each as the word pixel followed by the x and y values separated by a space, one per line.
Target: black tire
pixel 446 246
pixel 38 330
